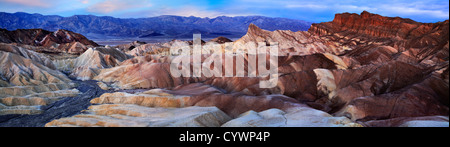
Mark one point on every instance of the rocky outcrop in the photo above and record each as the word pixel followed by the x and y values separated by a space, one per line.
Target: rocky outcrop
pixel 371 26
pixel 200 95
pixel 58 41
pixel 127 115
pixel 26 84
pixel 140 75
pixel 149 49
pixel 377 38
pixel 154 72
pixel 32 103
pixel 220 40
pixel 129 46
pixel 198 105
pixel 397 68
pixel 28 54
pixel 293 43
pixel 427 98
pixel 88 65
pixel 20 71
pixel 296 117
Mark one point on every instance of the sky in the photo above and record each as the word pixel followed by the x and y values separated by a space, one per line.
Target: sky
pixel 308 10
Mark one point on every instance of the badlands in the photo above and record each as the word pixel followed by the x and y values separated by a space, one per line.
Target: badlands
pixel 359 70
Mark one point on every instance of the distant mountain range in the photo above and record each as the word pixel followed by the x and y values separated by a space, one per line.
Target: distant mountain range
pixel 96 27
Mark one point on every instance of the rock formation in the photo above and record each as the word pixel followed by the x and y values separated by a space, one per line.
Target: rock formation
pixel 149 49
pixel 26 84
pixel 294 43
pixel 127 115
pixel 376 38
pixel 401 71
pixel 129 46
pixel 180 107
pixel 220 40
pixel 296 117
pixel 358 70
pixel 58 41
pixel 365 67
pixel 88 64
pixel 27 53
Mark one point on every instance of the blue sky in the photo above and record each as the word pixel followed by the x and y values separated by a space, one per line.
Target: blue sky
pixel 309 10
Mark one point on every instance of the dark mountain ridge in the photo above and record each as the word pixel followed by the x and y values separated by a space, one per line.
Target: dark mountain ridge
pixel 95 27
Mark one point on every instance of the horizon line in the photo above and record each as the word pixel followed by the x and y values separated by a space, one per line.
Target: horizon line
pixel 153 16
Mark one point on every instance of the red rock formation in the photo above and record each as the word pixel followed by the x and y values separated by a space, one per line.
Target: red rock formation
pixel 402 73
pixel 411 41
pixel 367 24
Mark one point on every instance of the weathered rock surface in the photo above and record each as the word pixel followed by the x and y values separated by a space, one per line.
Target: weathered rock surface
pixel 141 75
pixel 65 107
pixel 149 49
pixel 220 40
pixel 31 104
pixel 425 98
pixel 295 117
pixel 20 71
pixel 88 64
pixel 128 115
pixel 198 105
pixel 199 95
pixel 154 72
pixel 26 53
pixel 401 72
pixel 293 43
pixel 58 41
pixel 27 84
pixel 374 38
pixel 129 46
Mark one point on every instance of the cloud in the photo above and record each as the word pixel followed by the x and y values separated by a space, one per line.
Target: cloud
pixel 109 6
pixel 30 3
pixel 412 11
pixel 354 8
pixel 310 6
pixel 437 9
pixel 84 1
